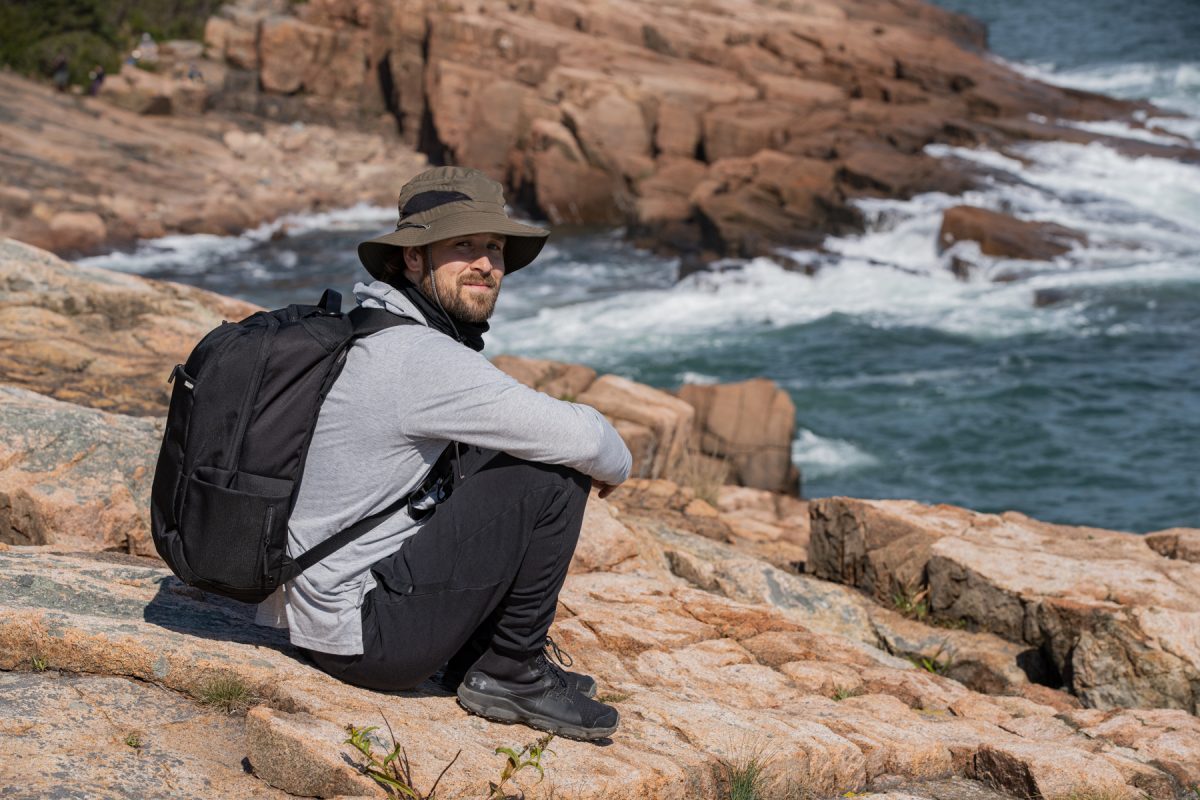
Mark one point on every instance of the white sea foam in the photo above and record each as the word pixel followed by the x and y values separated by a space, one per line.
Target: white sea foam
pixel 192 253
pixel 1174 86
pixel 819 457
pixel 1141 217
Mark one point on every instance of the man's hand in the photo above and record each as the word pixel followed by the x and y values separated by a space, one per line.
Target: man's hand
pixel 605 489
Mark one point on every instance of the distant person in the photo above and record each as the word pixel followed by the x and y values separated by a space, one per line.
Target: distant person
pixel 482 481
pixel 60 72
pixel 194 74
pixel 95 80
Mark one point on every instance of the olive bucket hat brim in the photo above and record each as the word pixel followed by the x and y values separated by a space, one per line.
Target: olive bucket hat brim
pixel 445 202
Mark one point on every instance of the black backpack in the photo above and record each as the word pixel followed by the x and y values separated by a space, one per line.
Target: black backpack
pixel 243 409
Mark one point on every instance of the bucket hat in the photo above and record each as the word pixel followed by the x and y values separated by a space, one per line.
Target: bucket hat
pixel 444 202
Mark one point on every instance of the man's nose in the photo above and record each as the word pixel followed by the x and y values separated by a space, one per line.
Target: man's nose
pixel 485 264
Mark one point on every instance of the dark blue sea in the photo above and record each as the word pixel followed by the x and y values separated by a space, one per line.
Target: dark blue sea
pixel 909 383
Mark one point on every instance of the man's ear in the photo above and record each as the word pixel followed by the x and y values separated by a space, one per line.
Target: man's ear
pixel 414 264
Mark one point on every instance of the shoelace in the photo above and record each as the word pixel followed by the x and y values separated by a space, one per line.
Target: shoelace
pixel 561 687
pixel 560 655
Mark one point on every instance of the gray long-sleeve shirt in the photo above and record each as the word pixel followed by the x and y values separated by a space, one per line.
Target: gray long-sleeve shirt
pixel 403 395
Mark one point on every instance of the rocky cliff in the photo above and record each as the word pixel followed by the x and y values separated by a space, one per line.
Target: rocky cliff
pixel 836 645
pixel 713 128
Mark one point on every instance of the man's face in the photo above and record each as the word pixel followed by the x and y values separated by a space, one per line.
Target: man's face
pixel 467 271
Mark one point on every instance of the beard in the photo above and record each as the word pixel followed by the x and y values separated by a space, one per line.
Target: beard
pixel 462 304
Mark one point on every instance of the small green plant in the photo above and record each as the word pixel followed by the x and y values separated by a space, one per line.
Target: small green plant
pixel 953 624
pixel 516 760
pixel 227 694
pixel 39 664
pixel 394 771
pixel 134 740
pixel 843 692
pixel 613 697
pixel 939 663
pixel 910 602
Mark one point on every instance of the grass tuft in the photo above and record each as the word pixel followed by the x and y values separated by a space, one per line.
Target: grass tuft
pixel 39 664
pixel 939 663
pixel 226 694
pixel 843 692
pixel 746 781
pixel 911 602
pixel 703 474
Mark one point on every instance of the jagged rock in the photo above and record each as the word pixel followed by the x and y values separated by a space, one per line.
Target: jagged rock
pixel 97 338
pixel 660 423
pixel 73 476
pixel 750 426
pixel 981 661
pixel 564 381
pixel 695 675
pixel 1003 236
pixel 1181 543
pixel 1114 619
pixel 792 111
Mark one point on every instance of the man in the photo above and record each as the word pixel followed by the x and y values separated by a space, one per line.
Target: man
pixel 467 582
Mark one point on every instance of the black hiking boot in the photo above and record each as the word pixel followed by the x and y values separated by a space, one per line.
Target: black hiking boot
pixel 450 678
pixel 533 692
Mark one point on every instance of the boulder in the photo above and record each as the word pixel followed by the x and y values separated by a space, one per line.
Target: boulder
pixel 74 477
pixel 101 339
pixel 750 426
pixel 667 419
pixel 563 381
pixel 1003 236
pixel 749 206
pixel 77 231
pixel 1114 621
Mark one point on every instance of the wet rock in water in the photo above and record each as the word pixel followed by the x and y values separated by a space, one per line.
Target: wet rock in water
pixel 1003 236
pixel 1113 619
pixel 1043 298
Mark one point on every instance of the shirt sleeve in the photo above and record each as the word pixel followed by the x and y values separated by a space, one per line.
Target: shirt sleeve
pixel 451 392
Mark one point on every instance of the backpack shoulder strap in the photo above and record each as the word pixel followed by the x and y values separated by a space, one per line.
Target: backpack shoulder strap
pixel 365 321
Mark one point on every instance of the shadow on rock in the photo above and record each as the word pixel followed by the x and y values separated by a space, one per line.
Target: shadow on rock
pixel 185 609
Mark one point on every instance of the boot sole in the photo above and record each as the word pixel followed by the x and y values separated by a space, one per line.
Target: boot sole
pixel 501 709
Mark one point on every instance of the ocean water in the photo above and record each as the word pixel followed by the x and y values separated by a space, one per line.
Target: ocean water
pixel 1070 391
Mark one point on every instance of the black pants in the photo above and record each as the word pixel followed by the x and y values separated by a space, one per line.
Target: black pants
pixel 485 570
